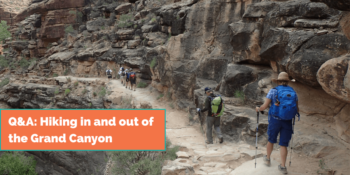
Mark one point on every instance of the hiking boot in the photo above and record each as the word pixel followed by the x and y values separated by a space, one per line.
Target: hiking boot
pixel 221 139
pixel 207 142
pixel 283 170
pixel 266 161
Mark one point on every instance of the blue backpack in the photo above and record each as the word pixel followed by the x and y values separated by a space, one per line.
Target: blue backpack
pixel 287 108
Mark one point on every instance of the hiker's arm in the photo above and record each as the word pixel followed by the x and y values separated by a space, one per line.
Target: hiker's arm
pixel 206 106
pixel 264 106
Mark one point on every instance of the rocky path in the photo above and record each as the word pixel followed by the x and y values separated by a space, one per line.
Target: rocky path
pixel 216 159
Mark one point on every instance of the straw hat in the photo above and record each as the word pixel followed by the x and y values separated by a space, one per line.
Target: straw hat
pixel 283 76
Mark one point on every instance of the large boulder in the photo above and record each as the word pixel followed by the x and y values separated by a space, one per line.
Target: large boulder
pixel 235 77
pixel 334 77
pixel 309 58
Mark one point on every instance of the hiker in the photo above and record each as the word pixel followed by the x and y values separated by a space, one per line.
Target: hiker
pixel 132 81
pixel 127 76
pixel 109 73
pixel 122 75
pixel 215 108
pixel 280 119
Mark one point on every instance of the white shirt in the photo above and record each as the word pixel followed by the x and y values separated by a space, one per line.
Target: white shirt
pixel 108 70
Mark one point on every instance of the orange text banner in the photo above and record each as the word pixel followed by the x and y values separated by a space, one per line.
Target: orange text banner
pixel 83 130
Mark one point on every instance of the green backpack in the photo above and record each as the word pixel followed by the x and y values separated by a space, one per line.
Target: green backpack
pixel 217 106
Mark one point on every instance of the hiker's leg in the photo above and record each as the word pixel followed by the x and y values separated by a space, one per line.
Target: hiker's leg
pixel 273 130
pixel 269 149
pixel 285 137
pixel 210 122
pixel 284 152
pixel 217 127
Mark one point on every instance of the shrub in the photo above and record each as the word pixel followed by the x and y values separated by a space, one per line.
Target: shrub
pixel 90 105
pixel 102 92
pixel 153 62
pixel 239 94
pixel 95 94
pixel 4 33
pixel 69 29
pixel 142 162
pixel 3 62
pixel 65 72
pixel 55 75
pixel 67 91
pixel 24 63
pixel 76 83
pixel 153 19
pixel 17 163
pixel 84 91
pixel 4 82
pixel 160 96
pixel 142 85
pixel 57 91
pixel 68 79
pixel 124 20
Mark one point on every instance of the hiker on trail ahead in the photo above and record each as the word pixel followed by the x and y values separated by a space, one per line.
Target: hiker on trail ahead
pixel 214 106
pixel 284 108
pixel 109 73
pixel 127 78
pixel 122 75
pixel 132 81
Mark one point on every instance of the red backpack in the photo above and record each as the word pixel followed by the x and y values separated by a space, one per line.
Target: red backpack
pixel 132 75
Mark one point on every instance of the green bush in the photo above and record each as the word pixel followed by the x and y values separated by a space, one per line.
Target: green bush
pixel 3 62
pixel 24 63
pixel 4 82
pixel 160 96
pixel 17 163
pixel 55 75
pixel 57 91
pixel 239 94
pixel 85 91
pixel 142 162
pixel 102 92
pixel 95 94
pixel 65 72
pixel 124 20
pixel 142 85
pixel 4 33
pixel 153 62
pixel 67 91
pixel 76 83
pixel 69 29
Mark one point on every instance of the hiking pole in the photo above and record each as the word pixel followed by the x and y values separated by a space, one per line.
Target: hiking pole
pixel 256 137
pixel 291 146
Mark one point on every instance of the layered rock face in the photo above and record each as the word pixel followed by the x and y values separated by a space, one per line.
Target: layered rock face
pixel 9 9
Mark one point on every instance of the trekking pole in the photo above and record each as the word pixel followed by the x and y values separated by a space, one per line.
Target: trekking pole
pixel 256 137
pixel 291 146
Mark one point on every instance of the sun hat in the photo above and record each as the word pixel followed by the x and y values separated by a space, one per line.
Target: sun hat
pixel 207 89
pixel 283 76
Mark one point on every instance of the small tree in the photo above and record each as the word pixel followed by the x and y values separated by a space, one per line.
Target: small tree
pixel 4 33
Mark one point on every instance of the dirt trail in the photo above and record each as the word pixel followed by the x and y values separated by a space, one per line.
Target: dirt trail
pixel 215 159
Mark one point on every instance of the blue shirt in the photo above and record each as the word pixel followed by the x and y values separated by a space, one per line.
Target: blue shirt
pixel 272 96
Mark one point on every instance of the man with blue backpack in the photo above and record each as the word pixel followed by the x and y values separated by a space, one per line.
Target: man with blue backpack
pixel 284 108
pixel 215 107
